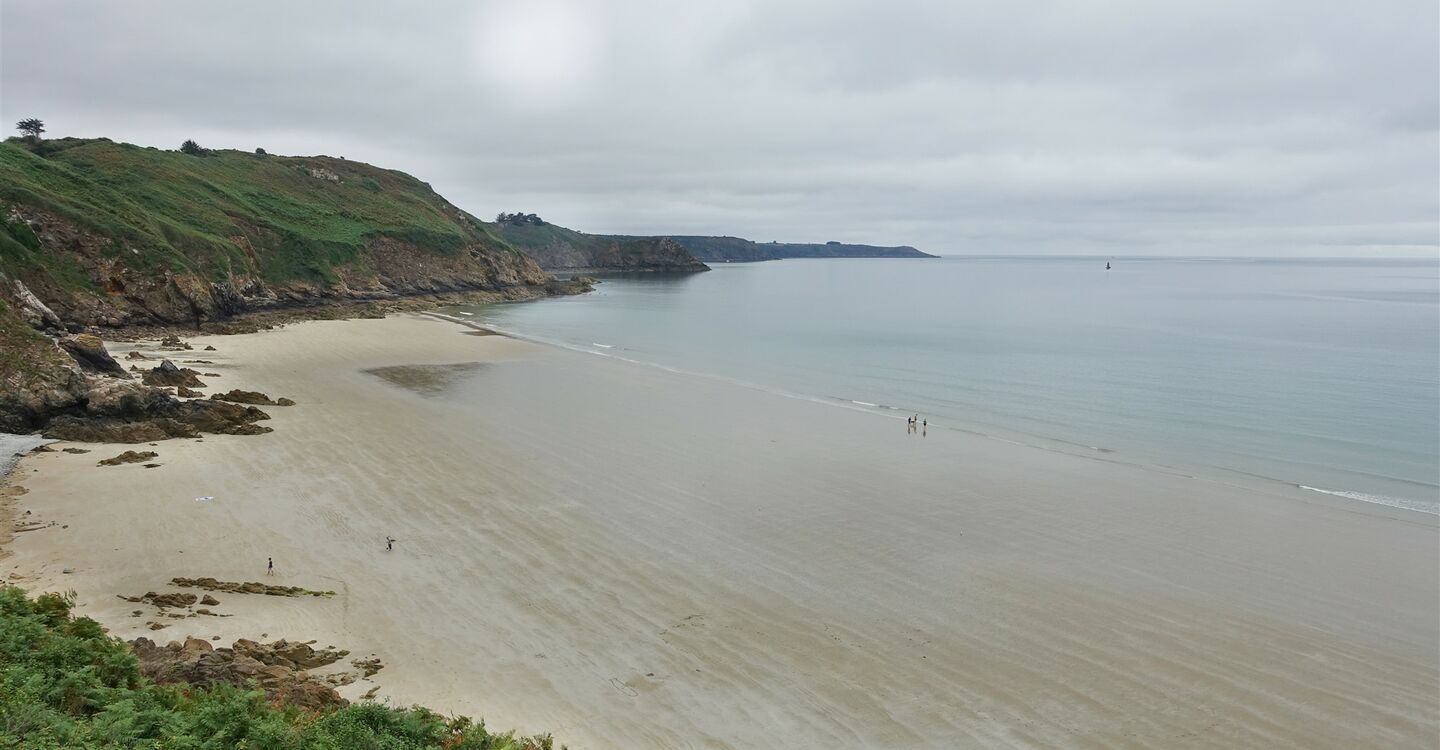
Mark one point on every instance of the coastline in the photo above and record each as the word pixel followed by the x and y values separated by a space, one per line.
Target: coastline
pixel 631 557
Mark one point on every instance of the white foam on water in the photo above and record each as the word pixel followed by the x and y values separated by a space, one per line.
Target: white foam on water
pixel 603 346
pixel 14 446
pixel 1395 502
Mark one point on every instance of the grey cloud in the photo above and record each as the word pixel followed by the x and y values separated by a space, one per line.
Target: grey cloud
pixel 1209 127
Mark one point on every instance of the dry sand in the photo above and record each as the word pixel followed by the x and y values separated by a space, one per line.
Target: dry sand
pixel 632 558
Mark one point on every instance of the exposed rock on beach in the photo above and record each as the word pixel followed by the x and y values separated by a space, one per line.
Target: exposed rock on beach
pixel 250 397
pixel 279 668
pixel 167 373
pixel 248 587
pixel 128 457
pixel 89 351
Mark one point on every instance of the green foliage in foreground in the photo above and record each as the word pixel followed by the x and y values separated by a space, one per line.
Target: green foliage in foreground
pixel 65 684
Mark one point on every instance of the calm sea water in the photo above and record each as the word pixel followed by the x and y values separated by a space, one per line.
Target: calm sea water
pixel 1324 374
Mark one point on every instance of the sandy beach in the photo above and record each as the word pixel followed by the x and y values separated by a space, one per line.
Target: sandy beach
pixel 634 558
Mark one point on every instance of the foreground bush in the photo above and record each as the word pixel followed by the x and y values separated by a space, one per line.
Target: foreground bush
pixel 65 684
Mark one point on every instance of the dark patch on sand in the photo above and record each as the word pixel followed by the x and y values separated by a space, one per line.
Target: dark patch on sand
pixel 427 380
pixel 481 332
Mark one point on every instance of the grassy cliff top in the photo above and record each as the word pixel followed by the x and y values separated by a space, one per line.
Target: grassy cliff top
pixel 208 214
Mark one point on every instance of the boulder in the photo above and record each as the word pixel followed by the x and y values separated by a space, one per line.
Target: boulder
pixel 174 343
pixel 89 351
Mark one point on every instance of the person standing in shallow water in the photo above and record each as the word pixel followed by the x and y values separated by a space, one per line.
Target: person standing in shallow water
pixel 269 566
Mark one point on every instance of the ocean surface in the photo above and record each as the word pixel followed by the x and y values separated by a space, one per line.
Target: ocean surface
pixel 1318 373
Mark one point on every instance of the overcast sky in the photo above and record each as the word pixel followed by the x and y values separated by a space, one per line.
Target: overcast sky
pixel 1016 126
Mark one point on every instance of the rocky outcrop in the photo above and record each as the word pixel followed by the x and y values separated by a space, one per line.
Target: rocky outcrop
pixel 279 668
pixel 89 351
pixel 37 379
pixel 250 397
pixel 120 412
pixel 168 374
pixel 33 311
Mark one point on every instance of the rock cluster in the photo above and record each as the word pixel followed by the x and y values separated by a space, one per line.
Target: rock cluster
pixel 126 412
pixel 163 601
pixel 250 397
pixel 278 668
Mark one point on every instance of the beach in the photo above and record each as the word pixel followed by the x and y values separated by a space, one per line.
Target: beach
pixel 635 558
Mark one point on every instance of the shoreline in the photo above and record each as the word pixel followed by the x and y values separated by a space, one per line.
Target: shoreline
pixel 550 505
pixel 1019 438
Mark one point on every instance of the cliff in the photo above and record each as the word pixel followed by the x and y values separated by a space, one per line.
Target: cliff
pixel 111 234
pixel 556 248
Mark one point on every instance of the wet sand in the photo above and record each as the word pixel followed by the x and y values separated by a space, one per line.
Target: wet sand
pixel 632 558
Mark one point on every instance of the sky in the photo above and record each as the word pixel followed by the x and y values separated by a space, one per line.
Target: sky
pixel 1190 127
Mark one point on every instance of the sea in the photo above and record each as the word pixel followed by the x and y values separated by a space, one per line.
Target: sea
pixel 1323 374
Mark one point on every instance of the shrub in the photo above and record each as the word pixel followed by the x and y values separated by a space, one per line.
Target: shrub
pixel 192 148
pixel 65 684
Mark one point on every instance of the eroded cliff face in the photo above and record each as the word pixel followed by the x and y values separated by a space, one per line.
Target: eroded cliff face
pixel 37 379
pixel 100 289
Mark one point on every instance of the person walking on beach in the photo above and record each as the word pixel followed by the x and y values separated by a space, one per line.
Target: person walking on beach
pixel 389 543
pixel 924 427
pixel 269 566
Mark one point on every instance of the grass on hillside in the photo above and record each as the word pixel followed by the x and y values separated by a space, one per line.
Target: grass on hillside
pixel 65 684
pixel 169 210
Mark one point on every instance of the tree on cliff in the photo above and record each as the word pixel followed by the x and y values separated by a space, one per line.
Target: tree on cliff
pixel 192 148
pixel 519 219
pixel 31 127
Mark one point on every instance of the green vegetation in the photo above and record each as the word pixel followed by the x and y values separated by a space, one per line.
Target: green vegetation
pixel 32 127
pixel 193 149
pixel 65 684
pixel 280 218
